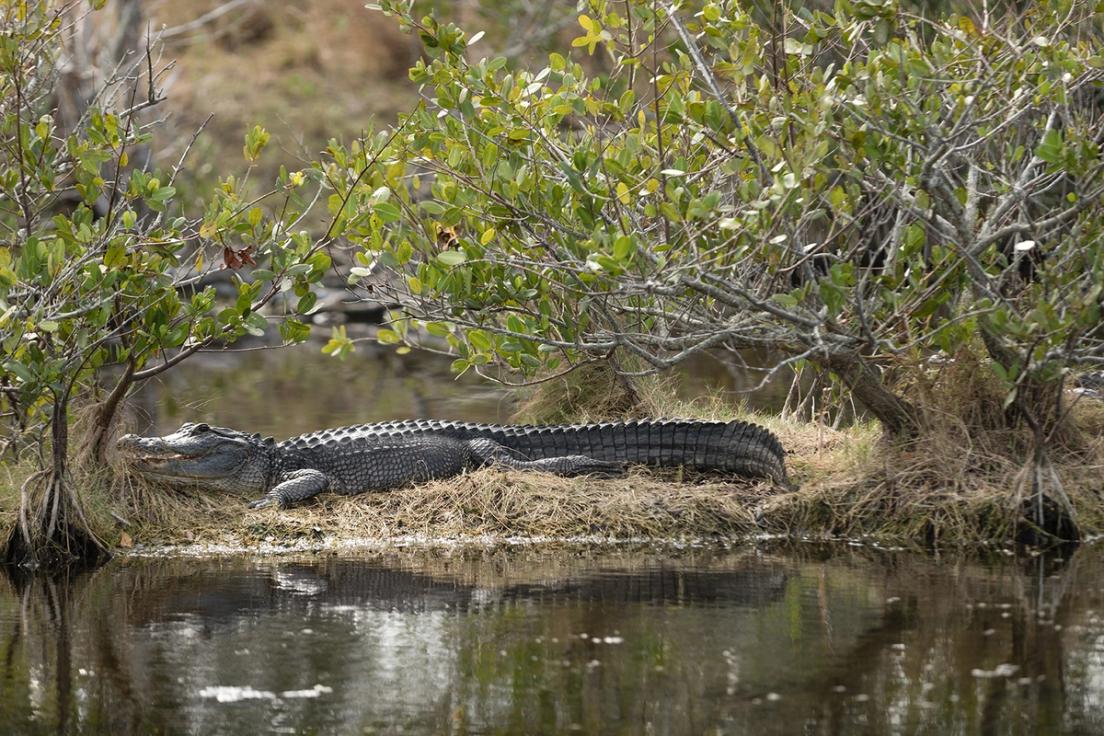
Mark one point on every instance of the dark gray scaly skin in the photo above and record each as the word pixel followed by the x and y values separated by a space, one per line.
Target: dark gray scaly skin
pixel 377 457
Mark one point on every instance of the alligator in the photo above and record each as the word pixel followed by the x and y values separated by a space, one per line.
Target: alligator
pixel 386 455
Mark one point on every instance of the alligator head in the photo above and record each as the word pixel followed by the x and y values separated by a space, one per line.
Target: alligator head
pixel 202 455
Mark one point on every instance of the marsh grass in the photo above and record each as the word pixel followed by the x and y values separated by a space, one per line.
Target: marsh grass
pixel 966 479
pixel 11 478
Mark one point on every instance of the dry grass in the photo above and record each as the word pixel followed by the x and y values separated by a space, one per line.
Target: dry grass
pixel 965 480
pixel 593 392
pixel 11 478
pixel 486 503
pixel 307 72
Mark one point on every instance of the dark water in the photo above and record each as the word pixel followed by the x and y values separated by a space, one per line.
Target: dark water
pixel 738 641
pixel 286 392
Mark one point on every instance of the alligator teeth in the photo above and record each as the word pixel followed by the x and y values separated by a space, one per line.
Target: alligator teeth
pixel 164 458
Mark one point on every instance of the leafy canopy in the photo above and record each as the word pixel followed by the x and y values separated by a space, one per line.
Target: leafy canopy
pixel 866 184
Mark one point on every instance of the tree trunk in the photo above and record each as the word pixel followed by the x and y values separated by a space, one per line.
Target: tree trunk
pixel 52 529
pixel 898 416
pixel 1037 403
pixel 105 414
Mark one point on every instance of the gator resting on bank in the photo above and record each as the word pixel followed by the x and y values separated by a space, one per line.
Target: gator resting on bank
pixel 377 457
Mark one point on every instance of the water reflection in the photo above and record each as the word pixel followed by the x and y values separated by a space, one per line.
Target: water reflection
pixel 530 641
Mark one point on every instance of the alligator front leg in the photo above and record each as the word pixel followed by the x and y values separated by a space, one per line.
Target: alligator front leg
pixel 298 485
pixel 486 452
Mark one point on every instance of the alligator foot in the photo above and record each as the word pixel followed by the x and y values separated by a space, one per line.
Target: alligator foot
pixel 296 486
pixel 579 465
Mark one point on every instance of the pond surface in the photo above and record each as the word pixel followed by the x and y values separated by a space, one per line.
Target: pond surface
pixel 804 640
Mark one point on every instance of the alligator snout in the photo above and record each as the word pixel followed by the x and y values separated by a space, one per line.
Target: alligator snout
pixel 136 445
pixel 129 442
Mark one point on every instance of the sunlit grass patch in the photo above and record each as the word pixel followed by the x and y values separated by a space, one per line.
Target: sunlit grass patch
pixel 488 503
pixel 12 476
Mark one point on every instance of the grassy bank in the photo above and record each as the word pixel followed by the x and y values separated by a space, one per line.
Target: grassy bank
pixel 958 484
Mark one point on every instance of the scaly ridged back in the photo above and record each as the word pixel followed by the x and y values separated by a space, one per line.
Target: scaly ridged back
pixel 734 447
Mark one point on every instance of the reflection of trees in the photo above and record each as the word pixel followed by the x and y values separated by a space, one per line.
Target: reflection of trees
pixel 458 643
pixel 38 654
pixel 929 648
pixel 143 625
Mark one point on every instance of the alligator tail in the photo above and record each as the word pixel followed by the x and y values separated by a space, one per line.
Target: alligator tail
pixel 728 447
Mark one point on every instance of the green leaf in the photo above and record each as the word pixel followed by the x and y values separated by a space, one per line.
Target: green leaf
pixel 306 303
pixel 164 194
pixel 388 337
pixel 794 47
pixel 387 211
pixel 19 370
pixel 480 340
pixel 452 257
pixel 294 331
pixel 1051 148
pixel 256 324
pixel 439 329
pixel 255 141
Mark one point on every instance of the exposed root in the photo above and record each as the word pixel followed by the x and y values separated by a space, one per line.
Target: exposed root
pixel 51 528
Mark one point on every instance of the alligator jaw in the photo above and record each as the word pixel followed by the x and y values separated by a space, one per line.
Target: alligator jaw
pixel 151 454
pixel 163 458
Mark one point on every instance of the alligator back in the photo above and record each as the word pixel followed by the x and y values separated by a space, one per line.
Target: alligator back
pixel 727 447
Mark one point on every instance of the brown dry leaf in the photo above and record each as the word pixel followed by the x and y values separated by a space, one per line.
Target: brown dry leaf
pixel 447 237
pixel 125 541
pixel 235 259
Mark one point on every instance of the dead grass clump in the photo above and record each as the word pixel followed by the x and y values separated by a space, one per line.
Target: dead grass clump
pixel 486 503
pixel 932 493
pixel 12 476
pixel 1088 415
pixel 968 478
pixel 593 392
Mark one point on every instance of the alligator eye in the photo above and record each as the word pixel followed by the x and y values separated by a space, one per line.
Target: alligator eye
pixel 201 428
